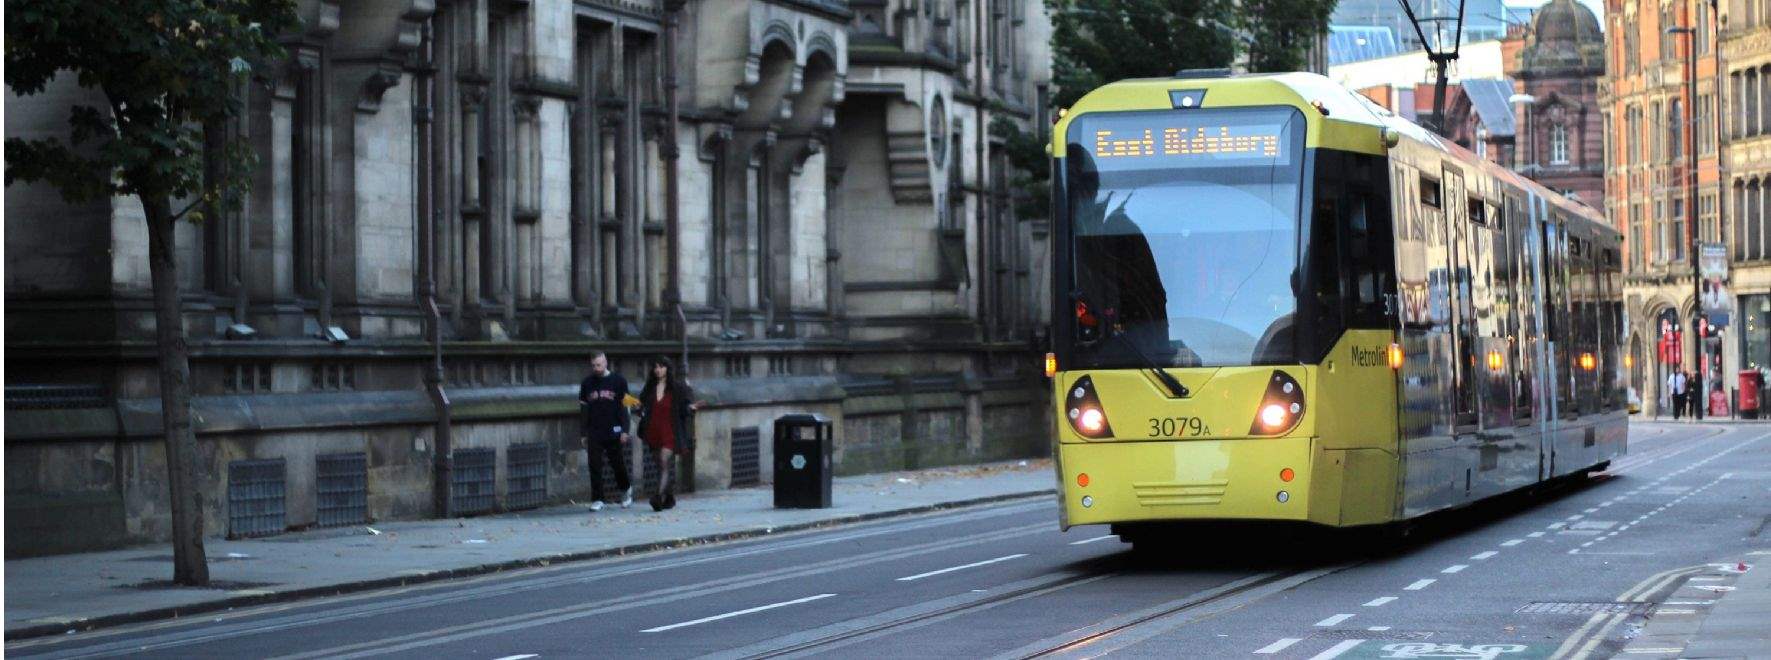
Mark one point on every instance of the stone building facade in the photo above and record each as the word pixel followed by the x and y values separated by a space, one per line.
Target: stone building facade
pixel 800 198
pixel 1654 128
pixel 1745 184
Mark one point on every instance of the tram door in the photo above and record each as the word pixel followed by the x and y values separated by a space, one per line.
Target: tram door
pixel 1465 375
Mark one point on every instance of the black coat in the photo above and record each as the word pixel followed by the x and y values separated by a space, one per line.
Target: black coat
pixel 680 398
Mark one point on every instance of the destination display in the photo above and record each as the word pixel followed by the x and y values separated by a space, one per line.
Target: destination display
pixel 1233 137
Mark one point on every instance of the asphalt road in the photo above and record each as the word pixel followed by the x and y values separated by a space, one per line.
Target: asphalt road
pixel 1553 574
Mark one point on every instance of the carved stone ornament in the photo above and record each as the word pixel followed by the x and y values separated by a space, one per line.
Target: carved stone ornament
pixel 384 77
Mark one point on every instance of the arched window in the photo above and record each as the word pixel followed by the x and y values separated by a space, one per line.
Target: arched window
pixel 1558 145
pixel 1755 221
pixel 1739 221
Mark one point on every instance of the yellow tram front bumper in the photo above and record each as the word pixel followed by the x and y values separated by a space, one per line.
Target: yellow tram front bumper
pixel 1228 479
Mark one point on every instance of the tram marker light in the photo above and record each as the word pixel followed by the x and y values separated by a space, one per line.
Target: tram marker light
pixel 1051 364
pixel 1586 361
pixel 1283 497
pixel 1494 361
pixel 1395 356
pixel 1082 479
pixel 1272 415
pixel 1083 408
pixel 1092 421
pixel 1280 408
pixel 1286 475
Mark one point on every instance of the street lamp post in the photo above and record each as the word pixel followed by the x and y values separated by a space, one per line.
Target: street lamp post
pixel 1691 215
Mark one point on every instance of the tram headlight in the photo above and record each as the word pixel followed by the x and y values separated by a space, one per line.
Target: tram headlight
pixel 1281 407
pixel 1083 408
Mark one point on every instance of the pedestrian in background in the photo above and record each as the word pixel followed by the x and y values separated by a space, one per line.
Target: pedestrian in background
pixel 1675 383
pixel 666 403
pixel 602 398
pixel 1691 397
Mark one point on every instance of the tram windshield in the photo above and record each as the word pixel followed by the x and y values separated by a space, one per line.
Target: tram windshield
pixel 1184 236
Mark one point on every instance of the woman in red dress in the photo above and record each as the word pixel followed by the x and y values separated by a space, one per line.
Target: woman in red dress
pixel 665 405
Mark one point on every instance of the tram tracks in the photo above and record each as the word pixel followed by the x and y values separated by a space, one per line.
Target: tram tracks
pixel 1111 633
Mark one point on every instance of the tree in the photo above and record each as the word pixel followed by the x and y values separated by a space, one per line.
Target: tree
pixel 1280 32
pixel 170 71
pixel 1095 42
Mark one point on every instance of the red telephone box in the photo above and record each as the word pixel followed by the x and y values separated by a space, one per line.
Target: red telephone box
pixel 1749 394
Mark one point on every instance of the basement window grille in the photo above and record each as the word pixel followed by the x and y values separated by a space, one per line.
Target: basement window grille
pixel 526 485
pixel 255 498
pixel 746 457
pixel 342 489
pixel 473 486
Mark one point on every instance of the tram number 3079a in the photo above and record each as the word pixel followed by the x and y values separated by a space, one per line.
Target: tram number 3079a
pixel 1177 427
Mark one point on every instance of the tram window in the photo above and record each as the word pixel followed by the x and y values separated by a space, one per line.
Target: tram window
pixel 1429 191
pixel 1524 317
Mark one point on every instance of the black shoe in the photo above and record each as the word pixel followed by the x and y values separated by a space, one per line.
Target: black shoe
pixel 670 501
pixel 657 504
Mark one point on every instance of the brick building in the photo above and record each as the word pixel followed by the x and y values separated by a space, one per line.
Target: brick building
pixel 1656 128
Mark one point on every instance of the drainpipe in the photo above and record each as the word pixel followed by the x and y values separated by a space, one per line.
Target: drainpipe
pixel 424 159
pixel 982 136
pixel 672 287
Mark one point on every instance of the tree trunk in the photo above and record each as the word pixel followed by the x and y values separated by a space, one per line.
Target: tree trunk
pixel 189 565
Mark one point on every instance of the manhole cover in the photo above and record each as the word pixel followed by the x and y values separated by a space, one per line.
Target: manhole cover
pixel 1584 608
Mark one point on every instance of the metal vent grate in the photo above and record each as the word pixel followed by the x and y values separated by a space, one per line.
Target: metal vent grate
pixel 343 489
pixel 746 457
pixel 1603 607
pixel 255 498
pixel 474 488
pixel 525 485
pixel 52 397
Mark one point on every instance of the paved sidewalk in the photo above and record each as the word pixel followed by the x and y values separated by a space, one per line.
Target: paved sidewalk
pixel 1721 612
pixel 54 595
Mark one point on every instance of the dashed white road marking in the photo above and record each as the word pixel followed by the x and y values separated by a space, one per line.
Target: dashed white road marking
pixel 1593 510
pixel 523 656
pixel 1535 535
pixel 1513 542
pixel 1278 646
pixel 1483 555
pixel 742 612
pixel 1419 584
pixel 1455 568
pixel 1333 620
pixel 1574 517
pixel 1336 650
pixel 1098 538
pixel 1376 602
pixel 1558 525
pixel 1663 610
pixel 951 569
pixel 1378 628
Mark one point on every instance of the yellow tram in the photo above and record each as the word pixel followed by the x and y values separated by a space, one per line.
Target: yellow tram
pixel 1275 301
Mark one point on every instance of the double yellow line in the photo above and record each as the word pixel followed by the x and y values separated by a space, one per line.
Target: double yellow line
pixel 1591 634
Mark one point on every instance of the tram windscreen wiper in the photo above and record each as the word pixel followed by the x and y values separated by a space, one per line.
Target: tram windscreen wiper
pixel 1175 388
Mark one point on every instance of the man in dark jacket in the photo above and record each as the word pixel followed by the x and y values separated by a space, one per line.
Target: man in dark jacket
pixel 602 401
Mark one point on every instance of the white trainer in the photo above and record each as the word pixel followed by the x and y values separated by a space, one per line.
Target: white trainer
pixel 627 498
pixel 596 506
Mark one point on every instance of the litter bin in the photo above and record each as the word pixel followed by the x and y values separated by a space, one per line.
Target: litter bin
pixel 1749 394
pixel 802 461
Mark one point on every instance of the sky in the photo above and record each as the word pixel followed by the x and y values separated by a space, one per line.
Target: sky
pixel 1597 6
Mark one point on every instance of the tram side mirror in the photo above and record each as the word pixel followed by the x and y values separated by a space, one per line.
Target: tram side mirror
pixel 1391 137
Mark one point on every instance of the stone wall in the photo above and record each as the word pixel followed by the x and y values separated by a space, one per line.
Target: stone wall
pixel 89 474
